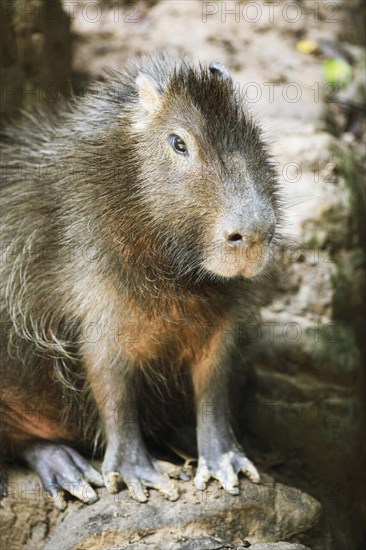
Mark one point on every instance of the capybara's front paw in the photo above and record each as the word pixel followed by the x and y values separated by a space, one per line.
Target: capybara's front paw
pixel 225 467
pixel 139 472
pixel 62 469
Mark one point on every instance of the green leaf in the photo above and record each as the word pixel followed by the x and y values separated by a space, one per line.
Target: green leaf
pixel 338 72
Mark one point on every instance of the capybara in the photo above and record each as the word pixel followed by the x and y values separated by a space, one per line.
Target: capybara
pixel 135 220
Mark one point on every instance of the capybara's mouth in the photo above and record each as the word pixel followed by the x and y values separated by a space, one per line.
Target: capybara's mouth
pixel 246 261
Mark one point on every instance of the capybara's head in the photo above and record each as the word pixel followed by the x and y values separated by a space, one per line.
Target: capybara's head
pixel 206 182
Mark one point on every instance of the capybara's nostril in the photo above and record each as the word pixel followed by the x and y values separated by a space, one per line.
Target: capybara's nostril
pixel 234 237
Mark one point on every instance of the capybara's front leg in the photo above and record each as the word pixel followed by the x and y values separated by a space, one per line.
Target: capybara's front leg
pixel 126 458
pixel 220 456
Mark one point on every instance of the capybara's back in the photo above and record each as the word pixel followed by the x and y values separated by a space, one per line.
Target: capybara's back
pixel 132 221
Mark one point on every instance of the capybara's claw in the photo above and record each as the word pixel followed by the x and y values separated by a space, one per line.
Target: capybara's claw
pixel 138 480
pixel 139 477
pixel 225 468
pixel 61 470
pixel 112 481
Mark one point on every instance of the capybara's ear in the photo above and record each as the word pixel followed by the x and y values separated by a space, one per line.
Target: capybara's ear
pixel 149 92
pixel 217 68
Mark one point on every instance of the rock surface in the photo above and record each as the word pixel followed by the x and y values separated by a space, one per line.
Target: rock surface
pixel 268 512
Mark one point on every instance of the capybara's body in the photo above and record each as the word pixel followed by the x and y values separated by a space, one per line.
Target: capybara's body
pixel 131 223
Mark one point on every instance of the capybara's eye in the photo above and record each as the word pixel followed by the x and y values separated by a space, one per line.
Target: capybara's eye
pixel 178 144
